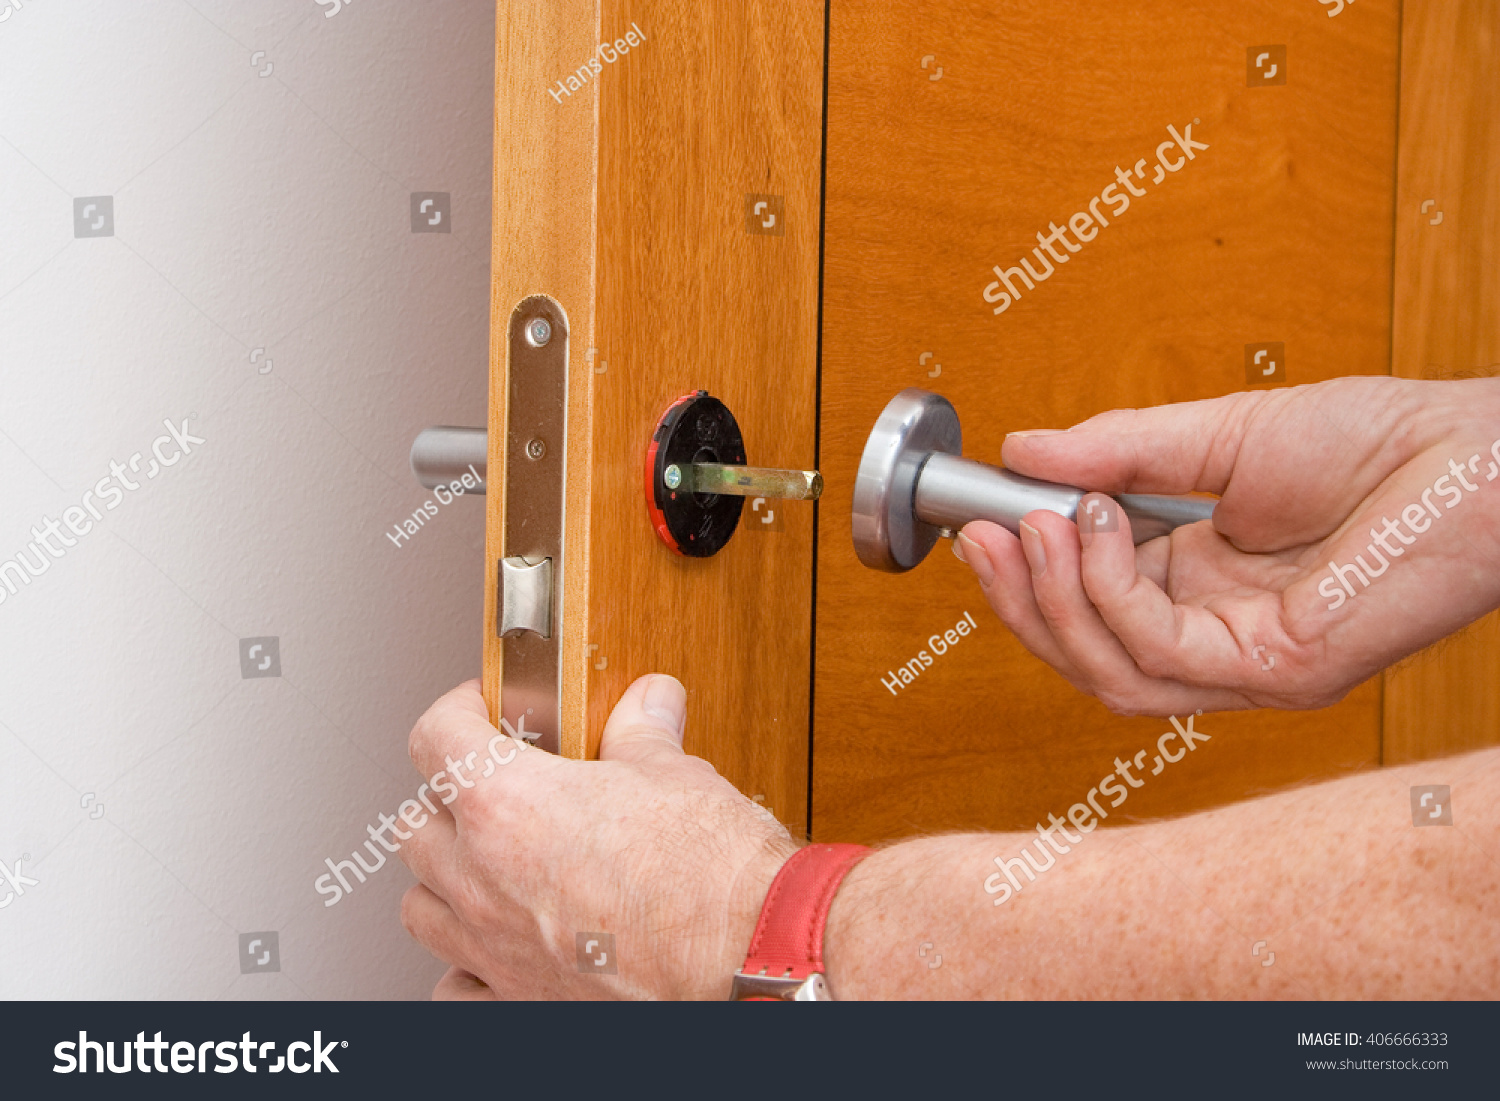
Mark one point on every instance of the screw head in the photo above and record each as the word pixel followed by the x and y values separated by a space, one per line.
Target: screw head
pixel 672 476
pixel 536 449
pixel 539 331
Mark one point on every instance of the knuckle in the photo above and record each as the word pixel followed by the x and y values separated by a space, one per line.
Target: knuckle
pixel 1154 663
pixel 421 736
pixel 468 903
pixel 698 768
pixel 409 919
pixel 1120 701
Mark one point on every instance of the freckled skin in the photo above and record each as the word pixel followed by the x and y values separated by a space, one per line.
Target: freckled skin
pixel 1328 891
pixel 1353 900
pixel 654 847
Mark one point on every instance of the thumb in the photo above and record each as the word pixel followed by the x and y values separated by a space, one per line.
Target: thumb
pixel 1179 448
pixel 648 720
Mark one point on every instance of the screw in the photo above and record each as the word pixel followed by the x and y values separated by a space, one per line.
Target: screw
pixel 536 448
pixel 540 331
pixel 672 476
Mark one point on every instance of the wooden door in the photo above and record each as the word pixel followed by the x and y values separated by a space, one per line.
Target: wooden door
pixel 622 178
pixel 908 149
pixel 1447 318
pixel 1278 231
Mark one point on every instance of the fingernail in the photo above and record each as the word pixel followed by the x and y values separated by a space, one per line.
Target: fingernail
pixel 972 555
pixel 1036 554
pixel 1039 432
pixel 666 701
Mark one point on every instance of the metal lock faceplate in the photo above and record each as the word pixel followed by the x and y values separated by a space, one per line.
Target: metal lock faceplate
pixel 529 612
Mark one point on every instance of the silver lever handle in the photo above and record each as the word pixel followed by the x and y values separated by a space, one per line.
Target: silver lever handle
pixel 952 491
pixel 913 485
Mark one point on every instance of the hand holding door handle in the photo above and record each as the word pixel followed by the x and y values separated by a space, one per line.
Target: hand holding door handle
pixel 912 485
pixel 1247 612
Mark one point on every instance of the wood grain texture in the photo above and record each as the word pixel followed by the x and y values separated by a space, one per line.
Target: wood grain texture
pixel 721 101
pixel 543 243
pixel 1447 318
pixel 1280 231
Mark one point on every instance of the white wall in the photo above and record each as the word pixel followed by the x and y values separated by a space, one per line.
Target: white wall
pixel 250 212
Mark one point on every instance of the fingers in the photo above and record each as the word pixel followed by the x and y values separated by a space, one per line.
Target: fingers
pixel 1076 627
pixel 455 746
pixel 647 722
pixel 429 851
pixel 1001 564
pixel 458 723
pixel 1160 638
pixel 1038 586
pixel 433 924
pixel 457 985
pixel 1166 449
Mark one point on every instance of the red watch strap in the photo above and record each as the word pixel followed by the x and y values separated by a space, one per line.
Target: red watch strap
pixel 788 941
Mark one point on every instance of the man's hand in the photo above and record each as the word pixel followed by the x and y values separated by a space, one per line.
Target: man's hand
pixel 1243 612
pixel 646 844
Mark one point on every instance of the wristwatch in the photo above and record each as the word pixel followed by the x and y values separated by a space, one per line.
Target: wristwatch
pixel 785 962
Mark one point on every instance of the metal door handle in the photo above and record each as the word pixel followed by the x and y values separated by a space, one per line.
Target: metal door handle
pixel 913 485
pixel 445 454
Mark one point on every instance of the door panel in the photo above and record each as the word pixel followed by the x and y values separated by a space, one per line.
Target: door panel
pixel 626 201
pixel 1279 231
pixel 954 133
pixel 1447 319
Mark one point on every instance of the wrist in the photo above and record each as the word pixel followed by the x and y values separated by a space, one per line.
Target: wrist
pixel 785 960
pixel 747 896
pixel 849 971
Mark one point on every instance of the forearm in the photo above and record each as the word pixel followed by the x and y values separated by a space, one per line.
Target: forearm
pixel 1353 901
